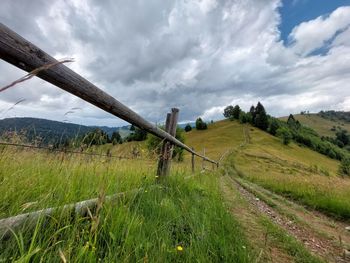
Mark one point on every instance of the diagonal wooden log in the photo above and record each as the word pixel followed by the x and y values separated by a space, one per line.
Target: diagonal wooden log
pixel 21 53
pixel 15 223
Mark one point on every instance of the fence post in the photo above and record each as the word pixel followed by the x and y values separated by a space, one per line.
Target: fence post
pixel 162 153
pixel 167 148
pixel 192 161
pixel 169 145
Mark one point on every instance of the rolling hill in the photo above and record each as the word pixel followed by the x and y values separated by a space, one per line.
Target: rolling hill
pixel 323 126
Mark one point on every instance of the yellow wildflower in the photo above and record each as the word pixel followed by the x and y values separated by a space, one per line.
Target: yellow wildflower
pixel 179 248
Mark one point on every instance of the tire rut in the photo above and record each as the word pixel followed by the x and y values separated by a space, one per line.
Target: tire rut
pixel 317 244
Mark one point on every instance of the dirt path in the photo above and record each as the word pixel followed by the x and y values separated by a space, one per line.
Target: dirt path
pixel 254 231
pixel 321 235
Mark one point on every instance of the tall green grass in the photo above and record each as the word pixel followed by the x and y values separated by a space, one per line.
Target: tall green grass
pixel 328 194
pixel 176 221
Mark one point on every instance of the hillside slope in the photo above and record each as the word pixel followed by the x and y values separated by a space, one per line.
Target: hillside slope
pixel 227 135
pixel 294 171
pixel 321 125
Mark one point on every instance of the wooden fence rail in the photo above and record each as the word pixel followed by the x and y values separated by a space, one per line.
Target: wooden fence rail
pixel 19 52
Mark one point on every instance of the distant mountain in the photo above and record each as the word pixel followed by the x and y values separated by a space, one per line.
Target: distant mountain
pixel 49 131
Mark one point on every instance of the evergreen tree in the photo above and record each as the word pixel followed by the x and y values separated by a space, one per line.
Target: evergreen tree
pixel 252 114
pixel 292 123
pixel 261 120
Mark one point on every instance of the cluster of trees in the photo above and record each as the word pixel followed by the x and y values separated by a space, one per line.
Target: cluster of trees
pixel 256 116
pixel 342 138
pixel 100 137
pixel 136 134
pixel 335 115
pixel 293 130
pixel 200 125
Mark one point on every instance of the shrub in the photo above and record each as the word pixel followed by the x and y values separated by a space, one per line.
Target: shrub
pixel 188 128
pixel 201 125
pixel 344 167
pixel 243 117
pixel 273 126
pixel 137 135
pixel 116 138
pixel 284 134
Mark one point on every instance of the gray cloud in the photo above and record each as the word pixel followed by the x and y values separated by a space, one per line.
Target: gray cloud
pixel 195 55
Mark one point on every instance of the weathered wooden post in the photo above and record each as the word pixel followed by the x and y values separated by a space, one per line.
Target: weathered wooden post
pixel 162 153
pixel 167 148
pixel 192 161
pixel 170 147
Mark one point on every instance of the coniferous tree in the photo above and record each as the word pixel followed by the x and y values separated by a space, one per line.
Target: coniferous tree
pixel 252 114
pixel 261 119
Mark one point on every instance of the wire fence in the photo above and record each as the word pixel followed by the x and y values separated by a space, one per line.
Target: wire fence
pixel 51 149
pixel 19 52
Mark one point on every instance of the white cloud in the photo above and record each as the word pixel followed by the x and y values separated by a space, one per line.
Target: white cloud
pixel 157 54
pixel 311 35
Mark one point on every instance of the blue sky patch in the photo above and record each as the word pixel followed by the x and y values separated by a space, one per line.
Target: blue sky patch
pixel 294 12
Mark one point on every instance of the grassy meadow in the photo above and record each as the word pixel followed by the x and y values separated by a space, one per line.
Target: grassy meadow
pixel 180 220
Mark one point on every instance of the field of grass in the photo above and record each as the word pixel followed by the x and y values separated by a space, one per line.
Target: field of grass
pixel 180 220
pixel 294 171
pixel 321 125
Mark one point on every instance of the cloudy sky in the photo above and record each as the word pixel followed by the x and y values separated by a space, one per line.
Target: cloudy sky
pixel 197 55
